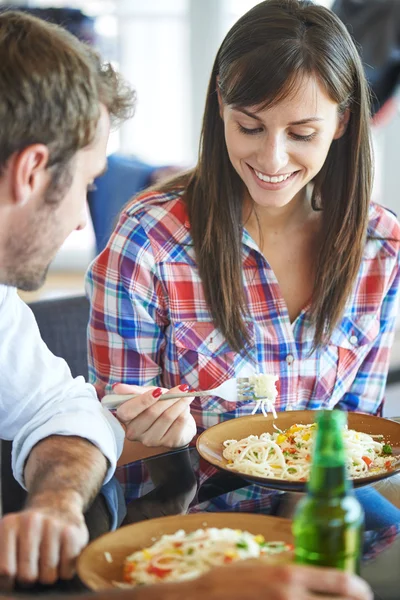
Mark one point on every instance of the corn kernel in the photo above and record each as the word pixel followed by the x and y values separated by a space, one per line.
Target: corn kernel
pixel 147 554
pixel 294 428
pixel 260 539
pixel 306 437
pixel 281 438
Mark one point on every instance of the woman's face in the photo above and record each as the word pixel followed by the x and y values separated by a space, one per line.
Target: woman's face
pixel 278 150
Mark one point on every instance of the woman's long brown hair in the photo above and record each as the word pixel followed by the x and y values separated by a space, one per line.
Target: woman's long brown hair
pixel 262 60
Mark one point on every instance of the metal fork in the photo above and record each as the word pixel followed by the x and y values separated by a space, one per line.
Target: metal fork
pixel 236 389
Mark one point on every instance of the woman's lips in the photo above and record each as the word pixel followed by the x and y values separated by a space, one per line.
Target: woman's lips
pixel 276 182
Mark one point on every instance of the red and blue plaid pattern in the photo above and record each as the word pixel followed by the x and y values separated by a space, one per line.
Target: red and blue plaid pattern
pixel 150 324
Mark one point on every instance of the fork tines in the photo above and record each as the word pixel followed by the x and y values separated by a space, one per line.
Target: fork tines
pixel 245 389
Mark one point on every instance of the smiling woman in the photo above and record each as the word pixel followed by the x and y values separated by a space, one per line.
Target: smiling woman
pixel 267 257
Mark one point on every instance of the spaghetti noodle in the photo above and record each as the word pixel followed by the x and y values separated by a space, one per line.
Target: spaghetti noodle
pixel 184 556
pixel 287 454
pixel 265 393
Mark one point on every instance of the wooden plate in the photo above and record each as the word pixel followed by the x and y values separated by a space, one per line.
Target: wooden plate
pixel 98 574
pixel 210 442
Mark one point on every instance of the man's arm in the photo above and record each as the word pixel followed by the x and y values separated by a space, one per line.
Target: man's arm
pixel 66 467
pixel 64 446
pixel 38 395
pixel 62 475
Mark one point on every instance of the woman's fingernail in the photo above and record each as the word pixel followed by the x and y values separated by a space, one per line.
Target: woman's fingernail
pixel 184 387
pixel 113 385
pixel 157 393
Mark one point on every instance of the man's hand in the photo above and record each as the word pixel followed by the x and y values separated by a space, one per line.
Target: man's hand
pixel 156 422
pixel 254 579
pixel 63 474
pixel 42 542
pixel 248 580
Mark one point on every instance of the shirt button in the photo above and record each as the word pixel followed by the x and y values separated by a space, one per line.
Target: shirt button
pixel 353 340
pixel 290 359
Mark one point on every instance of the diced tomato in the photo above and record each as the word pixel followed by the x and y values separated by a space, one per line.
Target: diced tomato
pixel 228 559
pixel 129 568
pixel 178 544
pixel 160 565
pixel 367 460
pixel 388 465
pixel 154 570
pixel 308 457
pixel 302 479
pixel 290 547
pixel 292 450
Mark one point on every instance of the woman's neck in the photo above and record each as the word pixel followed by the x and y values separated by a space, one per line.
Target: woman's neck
pixel 277 220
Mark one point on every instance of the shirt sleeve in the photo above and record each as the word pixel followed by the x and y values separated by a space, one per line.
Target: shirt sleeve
pixel 128 311
pixel 367 391
pixel 38 395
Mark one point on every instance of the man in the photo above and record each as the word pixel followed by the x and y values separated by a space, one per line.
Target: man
pixel 56 104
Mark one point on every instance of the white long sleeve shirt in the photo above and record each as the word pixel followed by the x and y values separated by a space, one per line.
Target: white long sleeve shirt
pixel 38 395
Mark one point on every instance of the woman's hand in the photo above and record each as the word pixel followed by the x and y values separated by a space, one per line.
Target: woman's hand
pixel 153 422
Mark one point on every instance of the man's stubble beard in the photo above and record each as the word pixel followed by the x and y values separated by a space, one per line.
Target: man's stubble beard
pixel 27 264
pixel 30 282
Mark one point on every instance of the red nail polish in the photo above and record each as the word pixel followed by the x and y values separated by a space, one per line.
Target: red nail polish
pixel 157 393
pixel 114 384
pixel 184 387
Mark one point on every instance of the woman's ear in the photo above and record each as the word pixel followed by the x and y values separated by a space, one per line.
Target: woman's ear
pixel 342 125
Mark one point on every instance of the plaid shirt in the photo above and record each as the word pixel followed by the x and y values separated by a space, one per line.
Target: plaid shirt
pixel 150 324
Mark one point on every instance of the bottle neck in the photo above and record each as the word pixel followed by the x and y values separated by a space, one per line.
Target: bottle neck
pixel 328 482
pixel 328 471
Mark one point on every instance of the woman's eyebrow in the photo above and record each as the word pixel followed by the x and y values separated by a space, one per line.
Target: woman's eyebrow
pixel 306 120
pixel 253 115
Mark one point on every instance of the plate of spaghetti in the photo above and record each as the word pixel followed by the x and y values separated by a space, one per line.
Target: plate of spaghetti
pixel 277 453
pixel 181 548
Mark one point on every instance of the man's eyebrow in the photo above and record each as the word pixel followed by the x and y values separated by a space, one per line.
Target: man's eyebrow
pixel 253 115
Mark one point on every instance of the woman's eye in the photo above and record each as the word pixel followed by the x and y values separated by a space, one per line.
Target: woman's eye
pixel 247 131
pixel 303 138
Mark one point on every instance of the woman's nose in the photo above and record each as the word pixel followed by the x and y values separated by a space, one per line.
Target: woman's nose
pixel 273 155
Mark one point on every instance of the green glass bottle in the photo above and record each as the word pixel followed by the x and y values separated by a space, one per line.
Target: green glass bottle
pixel 328 521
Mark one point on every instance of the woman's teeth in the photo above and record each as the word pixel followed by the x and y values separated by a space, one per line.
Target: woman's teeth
pixel 274 179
